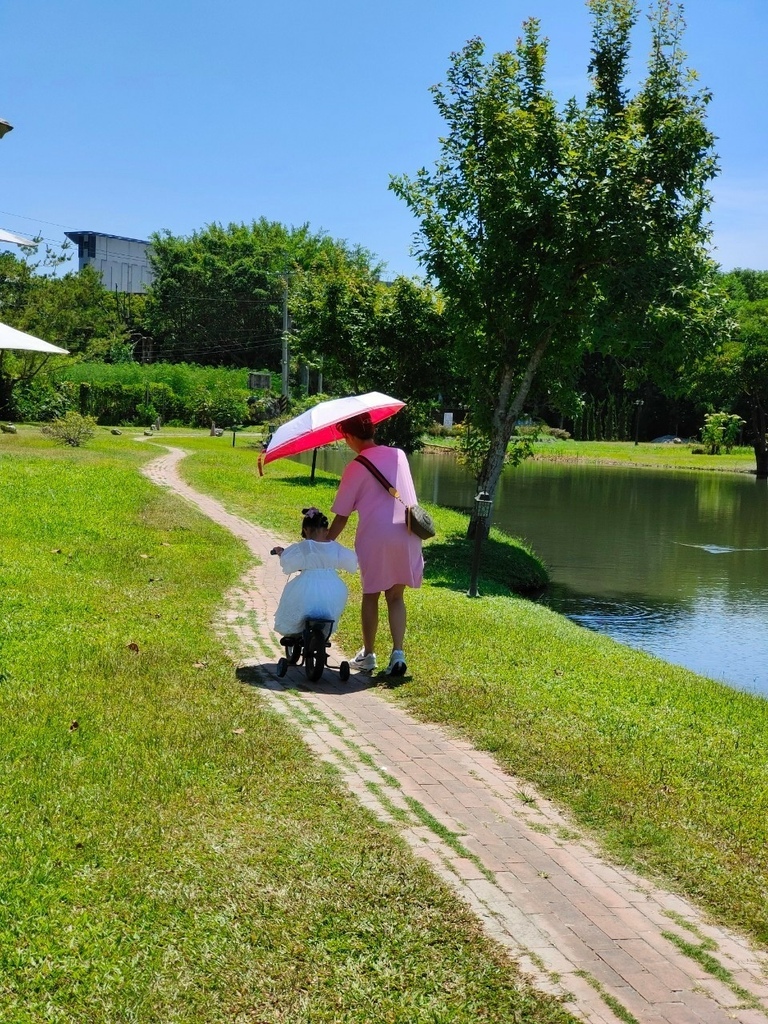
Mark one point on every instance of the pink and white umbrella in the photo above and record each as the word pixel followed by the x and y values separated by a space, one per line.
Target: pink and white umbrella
pixel 318 425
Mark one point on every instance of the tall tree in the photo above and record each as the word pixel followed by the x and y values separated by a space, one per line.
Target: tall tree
pixel 370 335
pixel 735 377
pixel 555 232
pixel 75 311
pixel 334 306
pixel 217 296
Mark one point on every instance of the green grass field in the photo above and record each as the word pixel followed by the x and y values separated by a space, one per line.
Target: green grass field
pixel 169 850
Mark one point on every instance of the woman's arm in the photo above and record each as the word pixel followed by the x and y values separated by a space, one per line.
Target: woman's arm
pixel 337 525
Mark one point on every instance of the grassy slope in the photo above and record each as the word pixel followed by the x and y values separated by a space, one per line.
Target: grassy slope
pixel 169 851
pixel 666 767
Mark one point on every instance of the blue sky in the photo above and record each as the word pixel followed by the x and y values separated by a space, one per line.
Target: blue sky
pixel 132 118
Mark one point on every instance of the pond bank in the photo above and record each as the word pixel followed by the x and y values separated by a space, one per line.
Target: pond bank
pixel 626 453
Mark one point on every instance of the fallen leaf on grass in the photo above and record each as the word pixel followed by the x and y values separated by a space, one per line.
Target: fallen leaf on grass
pixel 74 725
pixel 200 664
pixel 133 647
pixel 143 556
pixel 55 551
pixel 238 732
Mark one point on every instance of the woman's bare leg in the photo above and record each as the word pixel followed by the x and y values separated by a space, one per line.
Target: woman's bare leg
pixel 397 615
pixel 370 621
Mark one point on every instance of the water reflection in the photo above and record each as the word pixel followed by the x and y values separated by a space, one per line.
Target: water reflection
pixel 670 562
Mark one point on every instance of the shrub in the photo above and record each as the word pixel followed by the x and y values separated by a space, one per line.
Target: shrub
pixel 73 429
pixel 720 430
pixel 528 430
pixel 225 408
pixel 43 399
pixel 438 430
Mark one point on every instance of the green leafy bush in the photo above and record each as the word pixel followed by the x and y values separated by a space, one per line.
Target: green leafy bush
pixel 43 399
pixel 720 431
pixel 438 430
pixel 226 408
pixel 135 393
pixel 72 429
pixel 116 402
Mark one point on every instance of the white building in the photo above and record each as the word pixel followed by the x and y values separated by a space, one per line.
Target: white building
pixel 122 262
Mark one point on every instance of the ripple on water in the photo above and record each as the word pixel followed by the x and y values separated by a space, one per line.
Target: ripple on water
pixel 716 549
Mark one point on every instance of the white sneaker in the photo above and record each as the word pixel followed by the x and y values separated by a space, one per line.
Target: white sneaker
pixel 365 662
pixel 397 665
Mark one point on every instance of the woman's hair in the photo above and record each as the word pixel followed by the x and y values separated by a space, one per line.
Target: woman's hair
pixel 314 519
pixel 360 426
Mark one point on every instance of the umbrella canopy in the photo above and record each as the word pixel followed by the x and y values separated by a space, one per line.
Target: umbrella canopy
pixel 11 338
pixel 317 426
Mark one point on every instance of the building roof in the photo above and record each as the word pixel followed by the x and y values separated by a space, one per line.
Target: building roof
pixel 77 236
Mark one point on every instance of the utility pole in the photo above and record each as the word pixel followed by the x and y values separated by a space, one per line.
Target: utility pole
pixel 285 339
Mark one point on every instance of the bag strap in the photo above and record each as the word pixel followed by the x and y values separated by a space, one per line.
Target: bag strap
pixel 380 477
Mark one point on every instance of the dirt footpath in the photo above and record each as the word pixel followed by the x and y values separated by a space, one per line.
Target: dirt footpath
pixel 609 942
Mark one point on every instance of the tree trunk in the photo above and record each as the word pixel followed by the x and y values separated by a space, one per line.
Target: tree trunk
pixel 6 388
pixel 509 405
pixel 761 442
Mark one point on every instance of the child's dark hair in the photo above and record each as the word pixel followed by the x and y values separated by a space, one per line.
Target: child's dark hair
pixel 314 519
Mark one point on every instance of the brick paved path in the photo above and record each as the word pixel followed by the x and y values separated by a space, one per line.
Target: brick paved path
pixel 606 940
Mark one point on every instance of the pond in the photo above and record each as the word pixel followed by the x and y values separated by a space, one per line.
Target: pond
pixel 671 562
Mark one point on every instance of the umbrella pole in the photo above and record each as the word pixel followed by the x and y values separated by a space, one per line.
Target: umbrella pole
pixel 314 463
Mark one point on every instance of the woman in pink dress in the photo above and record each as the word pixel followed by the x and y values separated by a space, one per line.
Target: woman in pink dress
pixel 389 555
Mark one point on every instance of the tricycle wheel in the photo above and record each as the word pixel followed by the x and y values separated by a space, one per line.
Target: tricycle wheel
pixel 282 667
pixel 314 655
pixel 293 651
pixel 344 671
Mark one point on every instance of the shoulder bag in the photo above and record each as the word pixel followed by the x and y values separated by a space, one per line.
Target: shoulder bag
pixel 417 519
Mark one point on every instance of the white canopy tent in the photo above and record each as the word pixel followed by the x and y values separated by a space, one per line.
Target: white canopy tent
pixel 8 238
pixel 11 338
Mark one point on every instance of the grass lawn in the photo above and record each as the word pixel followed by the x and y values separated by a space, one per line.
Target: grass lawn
pixel 667 768
pixel 169 850
pixel 660 456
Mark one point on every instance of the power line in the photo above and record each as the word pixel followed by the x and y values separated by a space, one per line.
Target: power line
pixel 37 220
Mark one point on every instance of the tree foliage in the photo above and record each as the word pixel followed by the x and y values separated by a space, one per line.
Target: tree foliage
pixel 74 311
pixel 369 335
pixel 556 232
pixel 334 305
pixel 218 295
pixel 735 376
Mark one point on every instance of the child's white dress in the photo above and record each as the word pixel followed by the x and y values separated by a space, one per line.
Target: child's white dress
pixel 317 591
